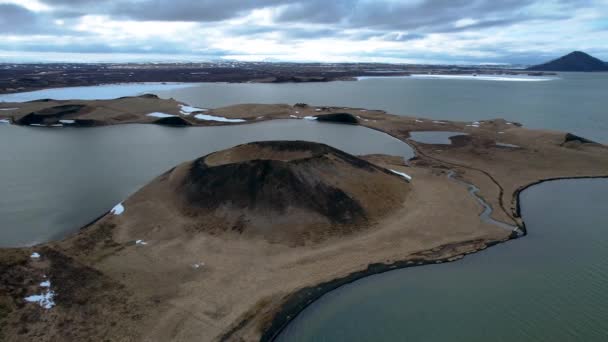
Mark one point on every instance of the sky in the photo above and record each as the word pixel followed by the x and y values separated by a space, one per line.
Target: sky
pixel 392 31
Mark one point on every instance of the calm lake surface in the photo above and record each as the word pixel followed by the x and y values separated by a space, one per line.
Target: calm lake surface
pixel 548 286
pixel 573 102
pixel 55 180
pixel 569 102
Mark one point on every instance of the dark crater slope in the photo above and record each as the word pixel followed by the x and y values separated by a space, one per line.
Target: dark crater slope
pixel 572 138
pixel 285 191
pixel 173 121
pixel 52 115
pixel 574 61
pixel 344 118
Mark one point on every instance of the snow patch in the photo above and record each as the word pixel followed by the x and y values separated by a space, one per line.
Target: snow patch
pixel 46 283
pixel 45 299
pixel 35 255
pixel 67 121
pixel 160 115
pixel 293 116
pixel 310 118
pixel 439 122
pixel 141 242
pixel 187 110
pixel 419 120
pixel 216 118
pixel 198 265
pixel 404 175
pixel 118 209
pixel 9 108
pixel 4 121
pixel 507 145
pixel 502 78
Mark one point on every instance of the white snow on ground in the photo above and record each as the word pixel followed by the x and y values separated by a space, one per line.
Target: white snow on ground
pixel 310 118
pixel 46 283
pixel 4 121
pixel 509 123
pixel 406 176
pixel 9 108
pixel 198 265
pixel 187 110
pixel 297 112
pixel 259 117
pixel 507 145
pixel 160 115
pixel 419 120
pixel 476 126
pixel 141 243
pixel 317 109
pixel 67 121
pixel 504 78
pixel 35 255
pixel 57 125
pixel 293 116
pixel 118 209
pixel 439 122
pixel 216 118
pixel 45 299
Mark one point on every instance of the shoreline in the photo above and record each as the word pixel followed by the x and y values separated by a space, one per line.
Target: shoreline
pixel 298 301
pixel 263 313
pixel 303 298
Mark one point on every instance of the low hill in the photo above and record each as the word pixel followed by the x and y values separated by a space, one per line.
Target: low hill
pixel 290 192
pixel 574 61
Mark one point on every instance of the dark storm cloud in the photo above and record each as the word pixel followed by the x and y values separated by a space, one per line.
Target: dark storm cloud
pixel 389 15
pixel 428 16
pixel 162 10
pixel 409 19
pixel 19 21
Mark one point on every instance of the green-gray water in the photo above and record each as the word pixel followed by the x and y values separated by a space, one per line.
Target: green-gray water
pixel 55 180
pixel 548 286
pixel 574 102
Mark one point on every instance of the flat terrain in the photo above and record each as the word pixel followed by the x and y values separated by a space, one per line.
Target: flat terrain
pixel 159 272
pixel 27 77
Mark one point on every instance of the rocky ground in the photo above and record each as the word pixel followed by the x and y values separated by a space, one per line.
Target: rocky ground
pixel 230 246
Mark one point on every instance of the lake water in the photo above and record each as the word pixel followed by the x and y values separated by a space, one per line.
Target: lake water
pixel 548 286
pixel 570 102
pixel 55 180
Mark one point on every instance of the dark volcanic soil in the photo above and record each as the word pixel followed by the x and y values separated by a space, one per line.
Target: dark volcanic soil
pixel 315 182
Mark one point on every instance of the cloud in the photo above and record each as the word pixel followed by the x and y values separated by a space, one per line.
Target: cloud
pixel 18 20
pixel 349 30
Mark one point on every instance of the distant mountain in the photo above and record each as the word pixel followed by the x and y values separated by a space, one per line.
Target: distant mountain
pixel 574 61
